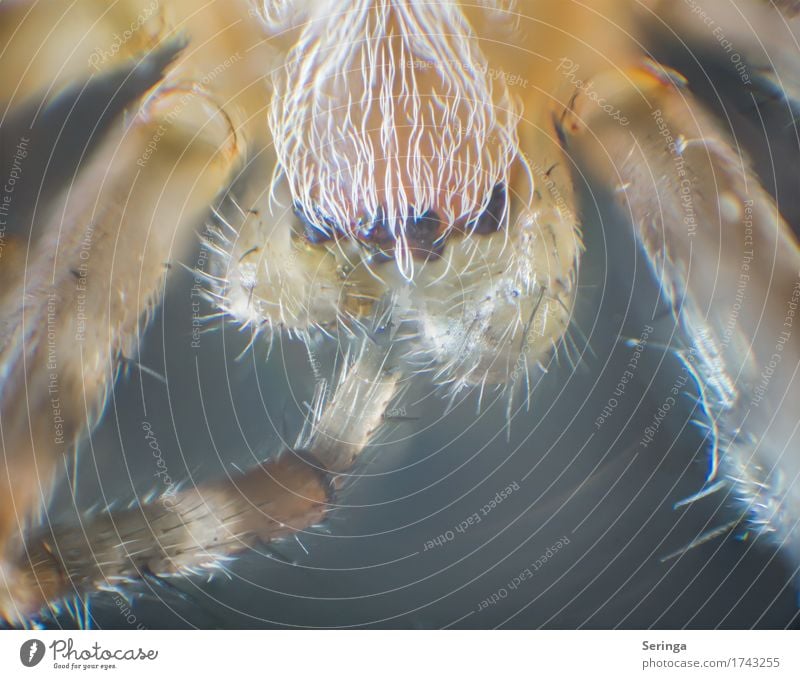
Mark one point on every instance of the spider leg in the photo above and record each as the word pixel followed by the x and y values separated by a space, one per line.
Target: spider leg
pixel 74 301
pixel 46 47
pixel 729 267
pixel 758 39
pixel 198 530
pixel 58 137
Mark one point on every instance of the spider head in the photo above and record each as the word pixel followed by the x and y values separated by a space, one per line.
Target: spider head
pixel 411 191
pixel 391 136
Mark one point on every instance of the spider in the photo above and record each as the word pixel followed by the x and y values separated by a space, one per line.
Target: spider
pixel 392 178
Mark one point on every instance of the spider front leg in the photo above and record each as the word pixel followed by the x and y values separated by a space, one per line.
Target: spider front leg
pixel 45 46
pixel 73 304
pixel 756 39
pixel 730 269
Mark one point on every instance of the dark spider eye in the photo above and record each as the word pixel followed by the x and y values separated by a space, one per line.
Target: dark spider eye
pixel 424 233
pixel 491 219
pixel 375 229
pixel 311 232
pixel 374 233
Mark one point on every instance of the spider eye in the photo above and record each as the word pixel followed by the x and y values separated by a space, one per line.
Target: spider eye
pixel 311 231
pixel 425 235
pixel 491 219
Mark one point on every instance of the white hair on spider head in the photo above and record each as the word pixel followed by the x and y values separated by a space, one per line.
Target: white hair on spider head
pixel 383 113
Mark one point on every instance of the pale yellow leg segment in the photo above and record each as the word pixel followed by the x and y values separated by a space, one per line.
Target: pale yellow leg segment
pixel 75 302
pixel 756 39
pixel 729 266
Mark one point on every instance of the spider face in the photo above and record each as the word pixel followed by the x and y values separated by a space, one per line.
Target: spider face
pixel 483 299
pixel 413 204
pixel 391 135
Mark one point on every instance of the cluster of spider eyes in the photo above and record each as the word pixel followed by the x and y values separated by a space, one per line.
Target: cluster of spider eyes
pixel 424 233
